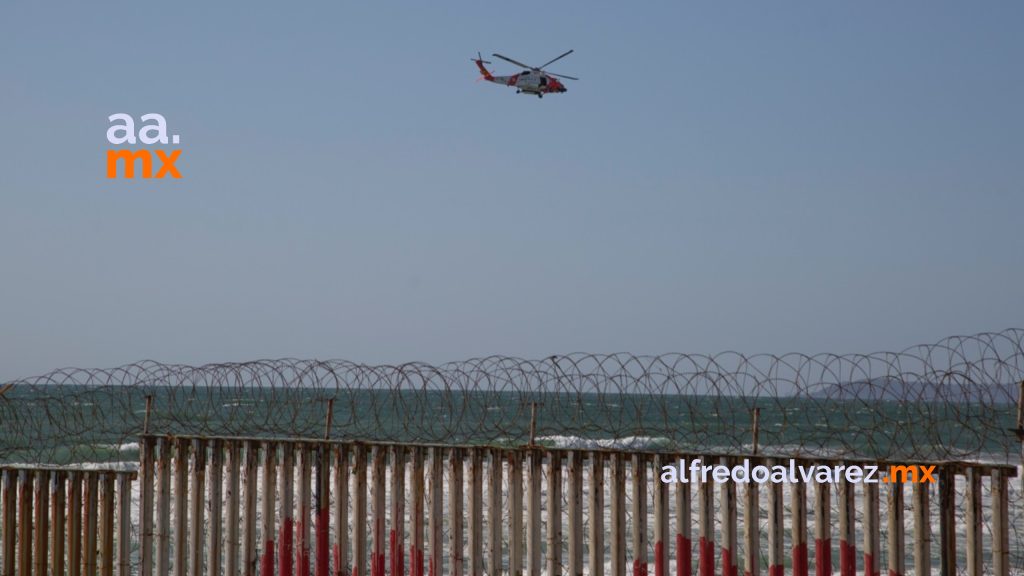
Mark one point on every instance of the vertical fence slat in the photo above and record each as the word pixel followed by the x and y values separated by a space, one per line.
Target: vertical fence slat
pixel 947 519
pixel 516 545
pixel 416 507
pixel 305 507
pixel 9 501
pixel 180 506
pixel 233 543
pixel 575 516
pixel 533 519
pixel 897 562
pixel 124 526
pixel 476 512
pixel 661 509
pixel 215 498
pixel 822 529
pixel 639 482
pixel 494 518
pixel 396 539
pixel 847 533
pixel 267 513
pixel 341 525
pixel 197 492
pixel 684 529
pixel 455 512
pixel 286 536
pixel 58 525
pixel 249 508
pixel 436 528
pixel 75 523
pixel 922 530
pixel 89 545
pixel 706 545
pixel 42 523
pixel 752 530
pixel 1000 524
pixel 107 505
pixel 147 462
pixel 728 519
pixel 24 523
pixel 975 519
pixel 359 519
pixel 617 538
pixel 322 510
pixel 379 455
pixel 554 517
pixel 798 520
pixel 595 510
pixel 775 528
pixel 872 538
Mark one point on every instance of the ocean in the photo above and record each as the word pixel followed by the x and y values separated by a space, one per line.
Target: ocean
pixel 64 424
pixel 99 427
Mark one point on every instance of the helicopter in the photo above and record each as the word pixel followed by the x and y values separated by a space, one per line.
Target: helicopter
pixel 533 80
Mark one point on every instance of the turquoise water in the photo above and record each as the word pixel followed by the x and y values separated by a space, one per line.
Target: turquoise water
pixel 75 423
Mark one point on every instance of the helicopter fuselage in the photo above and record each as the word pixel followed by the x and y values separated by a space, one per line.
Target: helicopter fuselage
pixel 531 82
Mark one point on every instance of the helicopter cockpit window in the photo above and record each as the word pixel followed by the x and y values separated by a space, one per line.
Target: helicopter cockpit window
pixel 527 73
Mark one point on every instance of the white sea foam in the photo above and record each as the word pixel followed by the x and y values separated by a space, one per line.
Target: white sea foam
pixel 124 447
pixel 626 443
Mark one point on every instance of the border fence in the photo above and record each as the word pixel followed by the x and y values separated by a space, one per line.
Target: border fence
pixel 509 466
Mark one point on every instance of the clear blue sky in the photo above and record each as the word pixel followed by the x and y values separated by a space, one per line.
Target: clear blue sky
pixel 767 177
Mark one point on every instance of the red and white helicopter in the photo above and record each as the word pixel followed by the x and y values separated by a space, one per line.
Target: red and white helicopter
pixel 530 81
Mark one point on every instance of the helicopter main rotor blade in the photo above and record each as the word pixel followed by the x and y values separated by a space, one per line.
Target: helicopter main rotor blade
pixel 555 60
pixel 507 59
pixel 562 76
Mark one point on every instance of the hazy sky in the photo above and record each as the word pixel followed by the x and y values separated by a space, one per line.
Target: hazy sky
pixel 767 177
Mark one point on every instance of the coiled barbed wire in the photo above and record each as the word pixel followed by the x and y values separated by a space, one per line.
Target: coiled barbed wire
pixel 953 400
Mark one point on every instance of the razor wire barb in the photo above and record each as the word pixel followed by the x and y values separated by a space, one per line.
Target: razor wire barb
pixel 952 400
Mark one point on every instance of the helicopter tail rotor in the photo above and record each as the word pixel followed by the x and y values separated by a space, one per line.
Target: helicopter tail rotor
pixel 485 73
